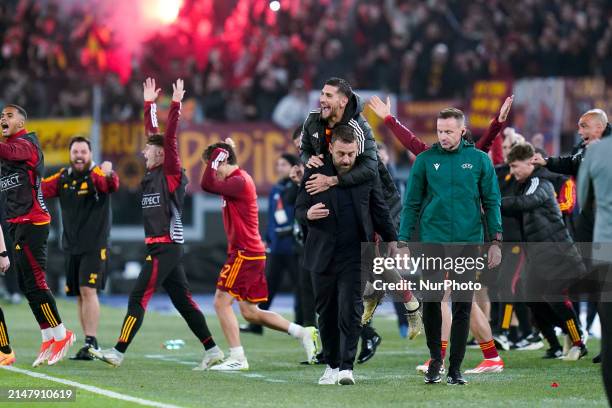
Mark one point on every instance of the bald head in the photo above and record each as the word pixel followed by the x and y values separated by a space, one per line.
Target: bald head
pixel 592 125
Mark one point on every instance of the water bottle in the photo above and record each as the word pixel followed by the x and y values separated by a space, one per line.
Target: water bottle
pixel 173 344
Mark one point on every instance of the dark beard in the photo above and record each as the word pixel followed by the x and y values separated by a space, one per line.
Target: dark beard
pixel 86 167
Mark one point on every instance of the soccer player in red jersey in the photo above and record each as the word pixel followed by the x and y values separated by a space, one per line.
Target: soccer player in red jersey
pixel 22 165
pixel 242 277
pixel 163 193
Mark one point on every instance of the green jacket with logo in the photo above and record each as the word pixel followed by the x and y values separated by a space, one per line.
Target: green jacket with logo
pixel 447 192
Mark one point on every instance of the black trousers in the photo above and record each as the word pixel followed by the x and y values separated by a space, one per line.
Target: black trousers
pixel 163 266
pixel 10 277
pixel 547 315
pixel 30 261
pixel 339 305
pixel 461 305
pixel 308 312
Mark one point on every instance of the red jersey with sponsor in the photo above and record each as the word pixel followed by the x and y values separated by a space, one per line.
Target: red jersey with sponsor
pixel 240 211
pixel 20 151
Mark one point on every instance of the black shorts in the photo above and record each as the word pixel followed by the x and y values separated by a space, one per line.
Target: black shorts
pixel 85 270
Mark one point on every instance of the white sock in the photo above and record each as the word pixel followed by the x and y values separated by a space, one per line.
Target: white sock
pixel 59 332
pixel 214 350
pixel 295 330
pixel 237 353
pixel 47 334
pixel 412 305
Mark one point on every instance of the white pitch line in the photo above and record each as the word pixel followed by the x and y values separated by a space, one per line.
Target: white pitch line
pixel 91 388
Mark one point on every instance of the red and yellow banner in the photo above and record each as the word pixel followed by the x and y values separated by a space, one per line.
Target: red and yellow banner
pixel 420 117
pixel 55 134
pixel 258 145
pixel 487 98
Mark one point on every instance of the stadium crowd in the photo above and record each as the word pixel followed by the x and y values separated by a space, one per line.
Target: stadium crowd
pixel 243 59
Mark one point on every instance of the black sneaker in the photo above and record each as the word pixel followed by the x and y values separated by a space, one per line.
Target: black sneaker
pixel 531 342
pixel 501 342
pixel 454 377
pixel 83 354
pixel 368 348
pixel 251 328
pixel 553 353
pixel 433 374
pixel 597 359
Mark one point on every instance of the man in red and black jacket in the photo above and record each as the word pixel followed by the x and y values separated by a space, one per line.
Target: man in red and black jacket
pixel 84 191
pixel 163 192
pixel 23 164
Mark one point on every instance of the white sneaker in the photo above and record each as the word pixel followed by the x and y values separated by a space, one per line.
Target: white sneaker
pixel 345 377
pixel 575 353
pixel 109 356
pixel 415 318
pixel 567 344
pixel 210 359
pixel 231 364
pixel 329 377
pixel 309 342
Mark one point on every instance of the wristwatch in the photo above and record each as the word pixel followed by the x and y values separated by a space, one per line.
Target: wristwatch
pixel 4 254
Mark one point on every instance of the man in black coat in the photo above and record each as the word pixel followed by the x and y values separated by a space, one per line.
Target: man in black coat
pixel 593 125
pixel 338 220
pixel 340 106
pixel 554 264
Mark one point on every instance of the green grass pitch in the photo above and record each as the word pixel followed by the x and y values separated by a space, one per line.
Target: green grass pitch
pixel 277 380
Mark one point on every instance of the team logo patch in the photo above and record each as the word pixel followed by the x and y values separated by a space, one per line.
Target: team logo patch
pixel 466 166
pixel 103 254
pixel 17 247
pixel 92 278
pixel 148 258
pixel 436 165
pixel 315 135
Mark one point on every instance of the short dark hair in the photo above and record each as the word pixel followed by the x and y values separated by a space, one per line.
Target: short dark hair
pixel 451 113
pixel 297 132
pixel 292 159
pixel 520 152
pixel 79 139
pixel 210 149
pixel 21 111
pixel 343 133
pixel 342 84
pixel 156 139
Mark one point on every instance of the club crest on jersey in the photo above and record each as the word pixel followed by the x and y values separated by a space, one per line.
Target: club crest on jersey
pixel 466 166
pixel 436 166
pixel 315 135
